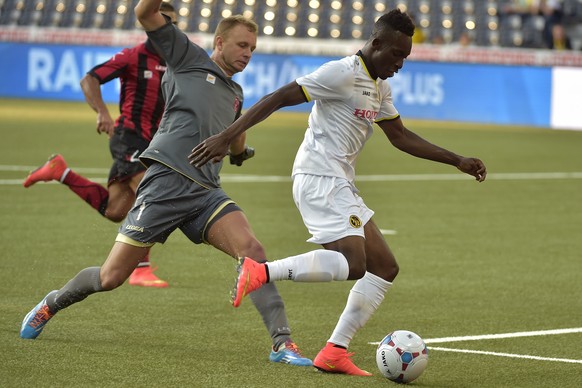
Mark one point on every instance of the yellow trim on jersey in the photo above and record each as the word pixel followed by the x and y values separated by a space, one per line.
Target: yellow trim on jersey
pixel 364 66
pixel 129 241
pixel 305 93
pixel 367 72
pixel 387 118
pixel 218 210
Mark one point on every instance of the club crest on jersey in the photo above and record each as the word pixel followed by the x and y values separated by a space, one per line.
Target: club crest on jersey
pixel 147 74
pixel 355 221
pixel 236 104
pixel 211 78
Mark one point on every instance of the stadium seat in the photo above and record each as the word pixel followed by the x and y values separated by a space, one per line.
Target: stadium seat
pixel 350 19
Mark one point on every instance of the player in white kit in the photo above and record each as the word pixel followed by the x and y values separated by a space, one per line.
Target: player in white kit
pixel 350 95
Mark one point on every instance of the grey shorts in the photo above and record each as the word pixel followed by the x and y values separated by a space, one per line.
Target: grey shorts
pixel 167 200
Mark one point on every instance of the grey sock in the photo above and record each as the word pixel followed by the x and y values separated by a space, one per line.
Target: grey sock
pixel 86 282
pixel 272 309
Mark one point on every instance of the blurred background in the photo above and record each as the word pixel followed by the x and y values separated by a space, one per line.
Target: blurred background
pixel 509 23
pixel 453 72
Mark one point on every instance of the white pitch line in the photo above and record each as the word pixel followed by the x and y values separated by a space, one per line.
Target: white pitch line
pixel 84 170
pixel 388 232
pixel 503 335
pixel 498 336
pixel 243 178
pixel 511 355
pixel 457 177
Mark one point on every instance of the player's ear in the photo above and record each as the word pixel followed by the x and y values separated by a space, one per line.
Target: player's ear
pixel 218 41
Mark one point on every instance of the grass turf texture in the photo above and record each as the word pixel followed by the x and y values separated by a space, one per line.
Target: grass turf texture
pixel 497 257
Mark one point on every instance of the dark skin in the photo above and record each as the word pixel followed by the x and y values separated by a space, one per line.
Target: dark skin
pixel 384 55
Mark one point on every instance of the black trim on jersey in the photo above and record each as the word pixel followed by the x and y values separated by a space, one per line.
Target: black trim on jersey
pixel 140 93
pixel 115 74
pixel 361 55
pixel 159 110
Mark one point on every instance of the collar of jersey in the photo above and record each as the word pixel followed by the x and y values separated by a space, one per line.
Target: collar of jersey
pixel 361 57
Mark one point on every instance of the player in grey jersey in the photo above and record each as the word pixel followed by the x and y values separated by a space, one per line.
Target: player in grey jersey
pixel 200 100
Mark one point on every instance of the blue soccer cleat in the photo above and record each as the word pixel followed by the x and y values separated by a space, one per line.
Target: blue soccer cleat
pixel 289 353
pixel 35 320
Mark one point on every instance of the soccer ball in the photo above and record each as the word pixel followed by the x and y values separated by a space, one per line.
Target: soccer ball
pixel 402 356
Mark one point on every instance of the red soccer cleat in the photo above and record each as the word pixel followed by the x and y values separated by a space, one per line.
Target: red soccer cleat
pixel 332 359
pixel 52 170
pixel 145 277
pixel 251 276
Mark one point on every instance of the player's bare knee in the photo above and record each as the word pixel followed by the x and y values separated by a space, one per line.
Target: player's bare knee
pixel 254 249
pixel 391 272
pixel 115 215
pixel 110 282
pixel 357 270
pixel 115 218
pixel 387 271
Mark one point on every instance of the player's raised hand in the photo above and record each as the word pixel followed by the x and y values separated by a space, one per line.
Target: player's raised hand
pixel 212 149
pixel 473 166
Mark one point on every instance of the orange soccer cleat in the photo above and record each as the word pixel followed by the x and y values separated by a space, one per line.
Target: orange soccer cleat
pixel 332 359
pixel 145 277
pixel 52 170
pixel 251 276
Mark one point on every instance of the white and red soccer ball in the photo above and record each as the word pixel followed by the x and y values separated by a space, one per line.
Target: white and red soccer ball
pixel 402 356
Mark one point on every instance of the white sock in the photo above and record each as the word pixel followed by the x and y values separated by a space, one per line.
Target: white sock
pixel 316 266
pixel 364 299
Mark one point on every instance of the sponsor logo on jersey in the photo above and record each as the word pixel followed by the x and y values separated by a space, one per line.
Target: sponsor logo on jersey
pixel 160 68
pixel 147 74
pixel 211 78
pixel 365 114
pixel 355 221
pixel 134 227
pixel 366 93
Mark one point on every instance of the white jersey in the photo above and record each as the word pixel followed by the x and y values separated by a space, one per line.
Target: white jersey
pixel 347 104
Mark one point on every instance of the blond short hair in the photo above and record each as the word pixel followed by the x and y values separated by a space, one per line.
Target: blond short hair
pixel 230 22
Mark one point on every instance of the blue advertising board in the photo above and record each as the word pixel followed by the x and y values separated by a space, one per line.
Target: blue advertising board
pixel 474 93
pixel 422 90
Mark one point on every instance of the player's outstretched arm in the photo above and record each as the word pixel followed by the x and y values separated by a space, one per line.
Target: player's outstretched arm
pixel 409 142
pixel 216 147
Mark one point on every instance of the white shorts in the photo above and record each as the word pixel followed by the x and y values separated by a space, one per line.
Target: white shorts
pixel 330 207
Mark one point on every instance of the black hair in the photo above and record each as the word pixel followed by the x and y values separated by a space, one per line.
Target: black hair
pixel 395 20
pixel 167 6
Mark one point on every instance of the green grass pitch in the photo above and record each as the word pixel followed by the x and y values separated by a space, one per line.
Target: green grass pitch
pixel 502 256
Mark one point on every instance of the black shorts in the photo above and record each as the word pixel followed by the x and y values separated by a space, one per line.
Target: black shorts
pixel 167 200
pixel 126 146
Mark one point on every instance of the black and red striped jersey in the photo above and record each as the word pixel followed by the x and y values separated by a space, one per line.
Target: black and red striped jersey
pixel 140 72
